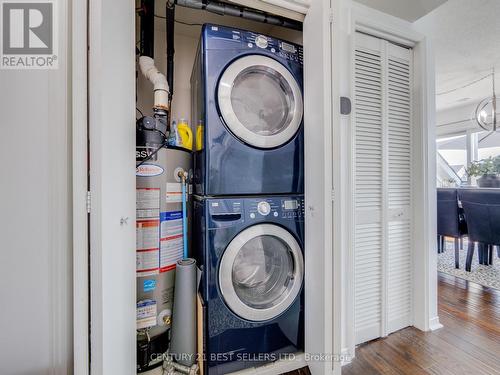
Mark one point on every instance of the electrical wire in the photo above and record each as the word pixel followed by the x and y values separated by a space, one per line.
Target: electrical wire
pixel 188 24
pixel 464 86
pixel 181 22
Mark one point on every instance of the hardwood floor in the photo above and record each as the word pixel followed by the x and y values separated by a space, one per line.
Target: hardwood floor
pixel 468 344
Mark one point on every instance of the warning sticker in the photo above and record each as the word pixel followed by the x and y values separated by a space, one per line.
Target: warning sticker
pixel 147 234
pixel 147 263
pixel 148 231
pixel 147 246
pixel 148 203
pixel 171 241
pixel 174 192
pixel 146 314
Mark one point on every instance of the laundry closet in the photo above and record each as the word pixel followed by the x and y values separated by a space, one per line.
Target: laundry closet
pixel 242 208
pixel 220 188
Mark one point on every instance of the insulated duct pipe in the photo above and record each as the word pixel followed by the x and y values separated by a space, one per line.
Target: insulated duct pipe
pixel 236 11
pixel 161 92
pixel 170 22
pixel 147 36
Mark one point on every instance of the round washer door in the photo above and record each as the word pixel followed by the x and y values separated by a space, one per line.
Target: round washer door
pixel 260 101
pixel 261 272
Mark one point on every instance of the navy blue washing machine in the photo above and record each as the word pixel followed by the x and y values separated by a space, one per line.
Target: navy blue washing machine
pixel 250 251
pixel 247 108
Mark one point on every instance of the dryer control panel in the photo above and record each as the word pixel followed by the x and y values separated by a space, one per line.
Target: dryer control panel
pixel 226 36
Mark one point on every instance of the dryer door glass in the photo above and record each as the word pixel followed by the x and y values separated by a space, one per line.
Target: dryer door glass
pixel 260 101
pixel 261 272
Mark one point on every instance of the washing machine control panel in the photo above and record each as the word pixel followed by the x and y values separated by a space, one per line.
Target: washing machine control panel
pixel 226 212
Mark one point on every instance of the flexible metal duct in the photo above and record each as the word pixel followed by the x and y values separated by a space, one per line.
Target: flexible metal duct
pixel 236 11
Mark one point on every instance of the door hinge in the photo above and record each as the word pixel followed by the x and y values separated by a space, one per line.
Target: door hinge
pixel 330 16
pixel 333 195
pixel 89 202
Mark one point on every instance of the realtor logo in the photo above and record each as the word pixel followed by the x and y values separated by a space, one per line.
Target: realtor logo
pixel 29 35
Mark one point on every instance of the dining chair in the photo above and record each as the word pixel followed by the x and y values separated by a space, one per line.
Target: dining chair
pixel 482 211
pixel 448 220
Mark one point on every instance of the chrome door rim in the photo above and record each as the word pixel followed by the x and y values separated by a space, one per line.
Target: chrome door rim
pixel 226 265
pixel 224 98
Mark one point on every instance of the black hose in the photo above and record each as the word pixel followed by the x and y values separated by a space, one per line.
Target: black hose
pixel 147 29
pixel 170 22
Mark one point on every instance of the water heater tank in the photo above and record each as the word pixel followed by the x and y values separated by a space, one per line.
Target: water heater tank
pixel 159 244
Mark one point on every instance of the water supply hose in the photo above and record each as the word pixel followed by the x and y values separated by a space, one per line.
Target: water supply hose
pixel 183 176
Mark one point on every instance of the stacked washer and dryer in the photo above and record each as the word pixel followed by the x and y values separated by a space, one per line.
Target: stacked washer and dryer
pixel 248 218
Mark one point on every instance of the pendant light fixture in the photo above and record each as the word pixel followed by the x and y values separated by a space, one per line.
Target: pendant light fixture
pixel 486 111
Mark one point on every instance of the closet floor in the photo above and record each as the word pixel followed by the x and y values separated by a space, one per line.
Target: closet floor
pixel 469 342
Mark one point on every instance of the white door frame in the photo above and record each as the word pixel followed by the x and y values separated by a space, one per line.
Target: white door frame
pixel 111 118
pixel 111 88
pixel 351 18
pixel 322 281
pixel 79 43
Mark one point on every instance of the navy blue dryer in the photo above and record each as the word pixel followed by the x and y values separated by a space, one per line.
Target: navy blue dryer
pixel 247 98
pixel 251 254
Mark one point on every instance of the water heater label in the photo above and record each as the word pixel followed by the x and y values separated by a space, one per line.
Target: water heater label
pixel 147 231
pixel 147 234
pixel 149 285
pixel 147 263
pixel 147 203
pixel 146 314
pixel 173 192
pixel 148 170
pixel 171 241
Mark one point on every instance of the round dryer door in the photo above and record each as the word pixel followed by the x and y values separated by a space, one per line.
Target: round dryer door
pixel 260 101
pixel 261 272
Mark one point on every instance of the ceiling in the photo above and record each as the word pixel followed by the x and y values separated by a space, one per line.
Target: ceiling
pixel 409 10
pixel 466 40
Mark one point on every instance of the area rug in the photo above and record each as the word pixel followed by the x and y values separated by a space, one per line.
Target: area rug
pixel 484 275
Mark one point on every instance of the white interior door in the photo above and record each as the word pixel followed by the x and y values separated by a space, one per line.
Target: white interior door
pixel 381 168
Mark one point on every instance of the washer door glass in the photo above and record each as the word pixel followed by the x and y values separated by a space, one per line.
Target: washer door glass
pixel 260 101
pixel 261 272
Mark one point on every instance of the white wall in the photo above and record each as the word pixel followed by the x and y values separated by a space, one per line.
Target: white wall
pixel 35 226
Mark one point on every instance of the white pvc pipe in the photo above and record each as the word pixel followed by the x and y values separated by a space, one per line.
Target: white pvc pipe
pixel 159 81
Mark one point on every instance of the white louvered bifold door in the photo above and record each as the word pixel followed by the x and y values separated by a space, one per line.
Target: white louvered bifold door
pixel 399 255
pixel 381 171
pixel 368 188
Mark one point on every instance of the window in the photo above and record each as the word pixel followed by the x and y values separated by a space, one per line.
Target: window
pixel 454 155
pixel 453 161
pixel 489 146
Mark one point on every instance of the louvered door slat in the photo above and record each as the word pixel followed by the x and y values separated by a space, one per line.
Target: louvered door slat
pixel 368 191
pixel 399 270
